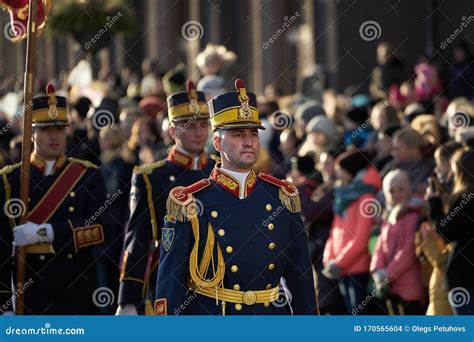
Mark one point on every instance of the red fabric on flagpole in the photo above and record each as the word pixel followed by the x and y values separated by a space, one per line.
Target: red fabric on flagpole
pixel 19 17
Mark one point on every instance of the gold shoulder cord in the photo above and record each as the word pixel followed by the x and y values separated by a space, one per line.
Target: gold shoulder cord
pixel 198 274
pixel 151 207
pixel 6 185
pixel 154 232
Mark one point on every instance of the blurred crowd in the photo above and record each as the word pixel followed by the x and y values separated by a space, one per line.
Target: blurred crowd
pixel 386 177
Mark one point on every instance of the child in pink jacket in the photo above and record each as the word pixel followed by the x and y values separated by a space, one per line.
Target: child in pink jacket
pixel 394 264
pixel 346 254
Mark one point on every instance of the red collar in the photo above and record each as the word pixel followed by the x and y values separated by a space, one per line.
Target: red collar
pixel 185 161
pixel 231 184
pixel 40 164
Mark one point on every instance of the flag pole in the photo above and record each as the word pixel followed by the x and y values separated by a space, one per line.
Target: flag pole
pixel 30 69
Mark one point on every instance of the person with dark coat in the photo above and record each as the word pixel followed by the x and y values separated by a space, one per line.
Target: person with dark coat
pixel 185 164
pixel 65 223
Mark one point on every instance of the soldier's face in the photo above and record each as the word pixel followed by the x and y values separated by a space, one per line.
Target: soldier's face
pixel 50 142
pixel 239 148
pixel 191 136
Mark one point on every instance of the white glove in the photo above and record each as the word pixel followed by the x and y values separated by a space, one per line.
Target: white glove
pixel 332 270
pixel 126 310
pixel 8 313
pixel 381 277
pixel 30 233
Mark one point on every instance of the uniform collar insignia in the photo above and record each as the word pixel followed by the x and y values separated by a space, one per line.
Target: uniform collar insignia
pixel 185 161
pixel 40 164
pixel 231 184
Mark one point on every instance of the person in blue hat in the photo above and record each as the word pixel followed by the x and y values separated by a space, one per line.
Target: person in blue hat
pixel 60 237
pixel 229 240
pixel 186 163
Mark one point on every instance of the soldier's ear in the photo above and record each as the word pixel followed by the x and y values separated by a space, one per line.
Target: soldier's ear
pixel 217 142
pixel 172 130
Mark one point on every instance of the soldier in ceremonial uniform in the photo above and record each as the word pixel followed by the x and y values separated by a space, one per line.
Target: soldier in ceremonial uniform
pixel 228 240
pixel 186 163
pixel 64 193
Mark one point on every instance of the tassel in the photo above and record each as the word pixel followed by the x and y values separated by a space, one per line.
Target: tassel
pixel 291 201
pixel 178 210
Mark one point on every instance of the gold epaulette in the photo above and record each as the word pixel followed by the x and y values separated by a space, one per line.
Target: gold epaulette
pixel 289 195
pixel 9 168
pixel 86 163
pixel 181 203
pixel 148 168
pixel 215 157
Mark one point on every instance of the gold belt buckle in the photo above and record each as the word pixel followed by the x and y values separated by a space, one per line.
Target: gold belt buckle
pixel 249 298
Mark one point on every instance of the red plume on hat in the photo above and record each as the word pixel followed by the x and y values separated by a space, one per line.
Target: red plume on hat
pixel 240 87
pixel 51 92
pixel 191 90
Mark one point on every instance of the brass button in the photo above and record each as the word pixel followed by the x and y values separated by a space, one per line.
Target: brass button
pixel 238 307
pixel 71 209
pixel 221 232
pixel 214 214
pixel 72 194
pixel 42 257
pixel 268 207
pixel 234 268
pixel 249 298
pixel 271 245
pixel 269 286
pixel 229 249
pixel 172 178
pixel 271 266
pixel 69 256
pixel 236 287
pixel 271 226
pixel 266 304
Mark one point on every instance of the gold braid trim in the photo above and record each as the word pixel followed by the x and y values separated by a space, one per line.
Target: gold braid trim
pixel 291 201
pixel 198 274
pixel 151 207
pixel 7 187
